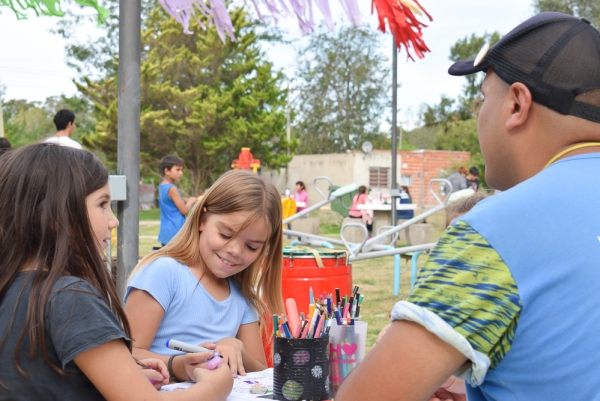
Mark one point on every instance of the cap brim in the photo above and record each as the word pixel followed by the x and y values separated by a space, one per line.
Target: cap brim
pixel 466 67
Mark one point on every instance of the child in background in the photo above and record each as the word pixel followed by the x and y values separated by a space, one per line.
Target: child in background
pixel 366 215
pixel 405 199
pixel 214 282
pixel 62 335
pixel 300 196
pixel 173 207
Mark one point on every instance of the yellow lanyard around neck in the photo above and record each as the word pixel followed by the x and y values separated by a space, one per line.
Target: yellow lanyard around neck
pixel 571 149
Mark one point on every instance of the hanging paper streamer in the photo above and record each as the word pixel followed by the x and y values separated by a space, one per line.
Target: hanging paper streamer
pixel 49 7
pixel 216 11
pixel 400 17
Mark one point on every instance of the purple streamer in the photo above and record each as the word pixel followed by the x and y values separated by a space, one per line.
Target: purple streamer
pixel 323 6
pixel 216 12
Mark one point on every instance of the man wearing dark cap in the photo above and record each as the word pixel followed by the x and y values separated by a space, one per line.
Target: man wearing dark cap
pixel 509 299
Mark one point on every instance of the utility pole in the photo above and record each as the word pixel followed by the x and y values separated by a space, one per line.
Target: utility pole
pixel 128 143
pixel 394 192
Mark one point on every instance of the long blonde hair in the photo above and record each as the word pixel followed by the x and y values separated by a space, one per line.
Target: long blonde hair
pixel 237 191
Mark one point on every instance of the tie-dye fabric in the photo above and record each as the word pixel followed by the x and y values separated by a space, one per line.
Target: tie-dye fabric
pixel 467 284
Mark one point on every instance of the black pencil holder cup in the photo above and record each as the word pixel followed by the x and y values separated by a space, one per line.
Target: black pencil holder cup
pixel 300 369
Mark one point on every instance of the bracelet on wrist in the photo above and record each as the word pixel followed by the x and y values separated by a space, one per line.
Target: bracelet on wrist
pixel 170 369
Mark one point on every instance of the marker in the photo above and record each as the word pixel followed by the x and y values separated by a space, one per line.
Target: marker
pixel 311 296
pixel 318 324
pixel 288 334
pixel 313 322
pixel 189 348
pixel 337 296
pixel 305 328
pixel 346 307
pixel 292 314
pixel 319 327
pixel 311 311
pixel 338 318
pixel 275 324
pixel 282 332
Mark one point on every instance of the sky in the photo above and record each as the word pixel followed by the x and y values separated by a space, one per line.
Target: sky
pixel 33 67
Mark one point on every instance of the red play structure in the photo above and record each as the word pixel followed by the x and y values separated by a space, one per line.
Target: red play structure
pixel 245 161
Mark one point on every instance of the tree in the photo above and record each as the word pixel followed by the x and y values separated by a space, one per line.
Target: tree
pixel 466 105
pixel 201 99
pixel 580 8
pixel 94 58
pixel 344 88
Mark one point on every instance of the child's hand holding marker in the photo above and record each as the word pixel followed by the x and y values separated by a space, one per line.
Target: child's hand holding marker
pixel 155 370
pixel 195 356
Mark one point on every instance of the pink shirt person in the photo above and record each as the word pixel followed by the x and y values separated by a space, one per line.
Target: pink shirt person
pixel 300 196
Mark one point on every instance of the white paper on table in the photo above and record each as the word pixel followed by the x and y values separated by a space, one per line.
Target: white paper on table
pixel 241 385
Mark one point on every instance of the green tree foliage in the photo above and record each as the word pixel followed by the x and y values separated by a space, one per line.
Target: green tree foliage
pixel 344 89
pixel 581 8
pixel 94 57
pixel 466 105
pixel 201 99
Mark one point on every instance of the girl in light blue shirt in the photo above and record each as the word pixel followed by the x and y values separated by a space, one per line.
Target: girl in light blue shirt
pixel 203 287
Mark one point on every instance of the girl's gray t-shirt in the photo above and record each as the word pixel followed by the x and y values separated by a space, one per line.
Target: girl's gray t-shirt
pixel 77 319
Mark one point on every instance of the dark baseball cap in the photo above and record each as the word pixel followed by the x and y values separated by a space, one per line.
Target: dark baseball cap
pixel 557 56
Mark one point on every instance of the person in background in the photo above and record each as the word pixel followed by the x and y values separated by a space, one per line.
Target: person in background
pixel 5 146
pixel 300 196
pixel 458 179
pixel 64 121
pixel 366 215
pixel 173 207
pixel 472 178
pixel 405 199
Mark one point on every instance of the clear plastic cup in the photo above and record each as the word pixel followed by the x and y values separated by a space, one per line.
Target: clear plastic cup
pixel 347 345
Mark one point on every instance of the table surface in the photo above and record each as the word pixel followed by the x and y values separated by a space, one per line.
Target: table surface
pixel 241 386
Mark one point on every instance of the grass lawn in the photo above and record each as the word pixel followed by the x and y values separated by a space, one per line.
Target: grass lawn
pixel 373 276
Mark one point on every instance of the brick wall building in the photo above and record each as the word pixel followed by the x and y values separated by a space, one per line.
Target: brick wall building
pixel 418 167
pixel 414 169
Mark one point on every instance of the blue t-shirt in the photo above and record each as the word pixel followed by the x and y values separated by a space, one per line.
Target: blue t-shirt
pixel 171 219
pixel 514 286
pixel 192 315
